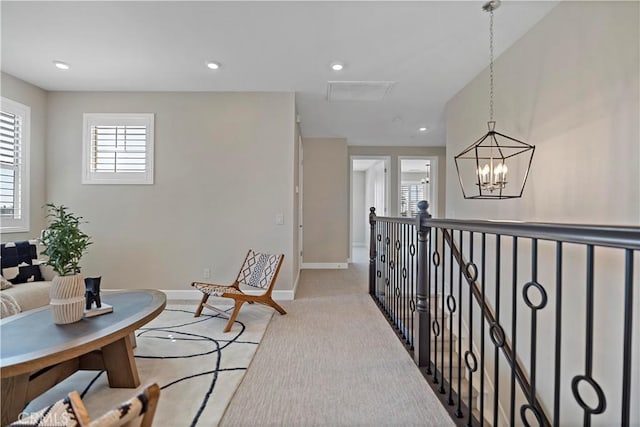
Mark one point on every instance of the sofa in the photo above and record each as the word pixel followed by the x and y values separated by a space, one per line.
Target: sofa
pixel 25 279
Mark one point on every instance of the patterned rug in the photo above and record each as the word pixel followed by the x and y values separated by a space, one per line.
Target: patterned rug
pixel 197 366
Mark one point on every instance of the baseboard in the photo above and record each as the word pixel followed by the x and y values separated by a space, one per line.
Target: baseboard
pixel 324 265
pixel 195 295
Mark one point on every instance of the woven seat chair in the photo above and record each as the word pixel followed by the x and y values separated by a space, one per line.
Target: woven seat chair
pixel 258 271
pixel 71 412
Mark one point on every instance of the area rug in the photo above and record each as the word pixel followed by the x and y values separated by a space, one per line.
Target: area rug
pixel 197 366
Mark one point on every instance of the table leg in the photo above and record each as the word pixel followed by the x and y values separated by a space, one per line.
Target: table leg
pixel 14 397
pixel 120 364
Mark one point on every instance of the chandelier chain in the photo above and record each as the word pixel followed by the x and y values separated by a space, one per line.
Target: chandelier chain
pixel 491 66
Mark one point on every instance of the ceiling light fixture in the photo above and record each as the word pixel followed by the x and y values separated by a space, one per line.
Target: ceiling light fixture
pixel 423 129
pixel 213 65
pixel 61 65
pixel 482 167
pixel 337 66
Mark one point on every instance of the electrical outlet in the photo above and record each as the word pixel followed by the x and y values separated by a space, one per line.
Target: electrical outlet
pixel 279 219
pixel 206 273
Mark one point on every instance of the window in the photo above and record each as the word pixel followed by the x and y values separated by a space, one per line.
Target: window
pixel 15 123
pixel 117 149
pixel 410 195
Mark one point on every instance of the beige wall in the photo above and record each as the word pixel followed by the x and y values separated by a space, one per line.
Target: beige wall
pixel 569 87
pixel 36 98
pixel 223 171
pixel 397 152
pixel 326 200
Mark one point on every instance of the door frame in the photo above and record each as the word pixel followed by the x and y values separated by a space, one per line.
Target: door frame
pixel 433 182
pixel 387 196
pixel 300 204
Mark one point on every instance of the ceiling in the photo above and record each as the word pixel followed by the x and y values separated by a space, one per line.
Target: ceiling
pixel 429 50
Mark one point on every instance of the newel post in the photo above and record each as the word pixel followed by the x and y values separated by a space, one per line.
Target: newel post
pixel 372 252
pixel 422 343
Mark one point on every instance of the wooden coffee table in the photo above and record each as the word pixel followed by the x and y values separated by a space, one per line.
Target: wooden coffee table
pixel 36 354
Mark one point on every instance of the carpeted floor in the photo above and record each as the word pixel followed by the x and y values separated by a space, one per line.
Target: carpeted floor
pixel 333 360
pixel 197 366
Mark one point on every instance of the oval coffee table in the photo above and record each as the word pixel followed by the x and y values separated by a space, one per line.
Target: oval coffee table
pixel 36 354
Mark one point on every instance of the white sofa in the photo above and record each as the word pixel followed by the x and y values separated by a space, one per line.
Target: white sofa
pixel 23 296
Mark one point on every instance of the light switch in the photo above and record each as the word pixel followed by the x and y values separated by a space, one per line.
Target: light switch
pixel 280 219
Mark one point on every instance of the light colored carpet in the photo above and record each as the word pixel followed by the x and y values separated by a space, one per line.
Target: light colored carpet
pixel 196 365
pixel 333 360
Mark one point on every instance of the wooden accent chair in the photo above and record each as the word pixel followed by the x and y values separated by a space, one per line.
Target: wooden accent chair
pixel 259 271
pixel 71 412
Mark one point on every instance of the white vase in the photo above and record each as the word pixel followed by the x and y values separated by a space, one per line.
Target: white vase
pixel 67 299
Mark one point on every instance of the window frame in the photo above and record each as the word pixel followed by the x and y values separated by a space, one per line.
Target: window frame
pixel 22 224
pixel 119 119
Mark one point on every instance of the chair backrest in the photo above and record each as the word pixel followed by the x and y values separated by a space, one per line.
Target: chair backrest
pixel 260 270
pixel 67 412
pixel 71 412
pixel 138 410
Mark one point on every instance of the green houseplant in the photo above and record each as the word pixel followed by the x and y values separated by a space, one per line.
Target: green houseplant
pixel 64 245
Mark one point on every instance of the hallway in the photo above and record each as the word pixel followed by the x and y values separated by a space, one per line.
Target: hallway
pixel 333 360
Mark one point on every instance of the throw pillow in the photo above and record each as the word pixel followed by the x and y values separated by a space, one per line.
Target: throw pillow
pixel 4 283
pixel 23 273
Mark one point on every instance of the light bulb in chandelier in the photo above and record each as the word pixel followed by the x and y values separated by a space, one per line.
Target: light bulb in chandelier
pixel 492 177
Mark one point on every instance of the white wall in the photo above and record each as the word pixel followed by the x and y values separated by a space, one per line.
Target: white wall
pixel 224 168
pixel 569 87
pixel 360 212
pixel 35 98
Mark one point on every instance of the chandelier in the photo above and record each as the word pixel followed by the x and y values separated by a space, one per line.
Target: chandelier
pixel 496 166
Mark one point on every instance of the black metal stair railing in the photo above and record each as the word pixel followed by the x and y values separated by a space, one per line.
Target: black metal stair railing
pixel 484 306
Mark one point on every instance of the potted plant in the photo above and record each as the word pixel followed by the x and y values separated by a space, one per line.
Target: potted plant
pixel 64 245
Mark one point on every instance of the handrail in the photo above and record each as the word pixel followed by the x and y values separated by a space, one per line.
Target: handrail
pixel 491 318
pixel 397 220
pixel 623 237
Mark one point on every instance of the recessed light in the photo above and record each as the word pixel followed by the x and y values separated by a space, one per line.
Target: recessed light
pixel 61 65
pixel 337 66
pixel 423 129
pixel 213 65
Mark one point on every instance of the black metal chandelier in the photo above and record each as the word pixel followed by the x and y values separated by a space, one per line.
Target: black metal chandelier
pixel 482 167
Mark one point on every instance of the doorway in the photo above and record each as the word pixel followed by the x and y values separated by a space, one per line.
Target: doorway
pixel 369 188
pixel 417 181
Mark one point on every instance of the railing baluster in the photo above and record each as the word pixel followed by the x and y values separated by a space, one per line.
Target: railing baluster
pixel 459 389
pixel 587 377
pixel 405 274
pixel 482 328
pixel 442 334
pixel 403 313
pixel 470 366
pixel 387 290
pixel 496 327
pixel 451 306
pixel 531 406
pixel 434 303
pixel 414 266
pixel 628 325
pixel 558 345
pixel 514 313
